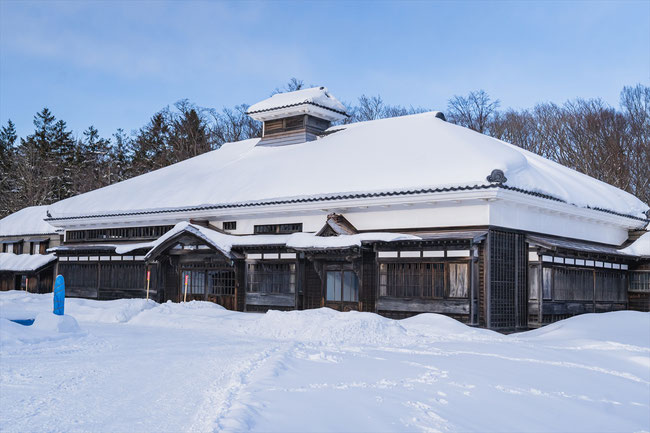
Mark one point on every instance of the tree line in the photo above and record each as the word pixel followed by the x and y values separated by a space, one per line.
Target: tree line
pixel 51 164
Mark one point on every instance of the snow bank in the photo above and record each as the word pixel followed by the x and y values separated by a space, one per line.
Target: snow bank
pixel 623 327
pixel 326 326
pixel 46 327
pixel 24 262
pixel 49 322
pixel 118 311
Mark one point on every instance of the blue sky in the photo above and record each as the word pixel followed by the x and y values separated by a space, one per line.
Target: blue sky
pixel 114 63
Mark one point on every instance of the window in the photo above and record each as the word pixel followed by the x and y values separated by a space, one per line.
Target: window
pixel 195 282
pixel 639 281
pixel 277 228
pixel 533 282
pixel 271 278
pixel 342 286
pixel 230 225
pixel 7 248
pixel 148 232
pixel 547 280
pixel 424 280
pixel 221 282
pixel 34 248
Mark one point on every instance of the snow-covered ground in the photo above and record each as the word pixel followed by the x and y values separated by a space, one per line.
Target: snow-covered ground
pixel 132 365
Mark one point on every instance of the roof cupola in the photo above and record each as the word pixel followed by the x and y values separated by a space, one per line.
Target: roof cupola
pixel 296 117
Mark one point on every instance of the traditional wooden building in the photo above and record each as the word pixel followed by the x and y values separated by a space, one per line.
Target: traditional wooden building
pixel 25 263
pixel 396 216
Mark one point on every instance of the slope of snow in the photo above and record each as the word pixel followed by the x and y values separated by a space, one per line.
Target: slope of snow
pixel 397 154
pixel 24 262
pixel 138 366
pixel 27 221
pixel 640 247
pixel 314 95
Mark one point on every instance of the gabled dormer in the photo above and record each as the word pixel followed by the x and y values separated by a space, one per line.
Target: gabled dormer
pixel 296 117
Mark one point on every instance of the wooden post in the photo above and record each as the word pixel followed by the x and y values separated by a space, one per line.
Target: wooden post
pixel 187 276
pixel 148 280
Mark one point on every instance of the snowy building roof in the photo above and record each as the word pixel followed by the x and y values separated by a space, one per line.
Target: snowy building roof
pixel 413 154
pixel 24 262
pixel 27 221
pixel 640 247
pixel 224 242
pixel 308 101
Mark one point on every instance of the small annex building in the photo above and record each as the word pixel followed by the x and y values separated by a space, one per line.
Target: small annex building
pixel 397 216
pixel 25 263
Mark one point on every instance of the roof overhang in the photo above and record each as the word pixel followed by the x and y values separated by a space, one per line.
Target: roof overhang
pixel 298 109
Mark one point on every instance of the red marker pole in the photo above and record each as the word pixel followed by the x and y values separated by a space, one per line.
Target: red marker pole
pixel 27 284
pixel 148 280
pixel 187 276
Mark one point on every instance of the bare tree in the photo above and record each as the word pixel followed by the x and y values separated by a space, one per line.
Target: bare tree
pixel 476 111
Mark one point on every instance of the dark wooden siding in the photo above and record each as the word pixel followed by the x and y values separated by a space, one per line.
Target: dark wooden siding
pixel 368 284
pixel 507 284
pixel 312 292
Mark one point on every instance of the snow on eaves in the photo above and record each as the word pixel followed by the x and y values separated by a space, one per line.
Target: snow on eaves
pixel 640 247
pixel 225 242
pixel 27 221
pixel 411 153
pixel 316 95
pixel 24 262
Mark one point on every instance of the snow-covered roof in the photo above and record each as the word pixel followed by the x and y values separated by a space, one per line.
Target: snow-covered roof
pixel 27 221
pixel 403 155
pixel 224 242
pixel 24 262
pixel 640 247
pixel 317 96
pixel 122 248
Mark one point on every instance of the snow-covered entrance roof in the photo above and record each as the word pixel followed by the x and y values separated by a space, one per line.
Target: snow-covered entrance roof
pixel 640 247
pixel 24 262
pixel 224 242
pixel 27 221
pixel 413 154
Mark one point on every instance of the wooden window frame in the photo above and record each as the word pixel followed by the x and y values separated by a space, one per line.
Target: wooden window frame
pixel 258 270
pixel 445 262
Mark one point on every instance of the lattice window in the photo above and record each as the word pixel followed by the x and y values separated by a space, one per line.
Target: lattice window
pixel 639 281
pixel 221 282
pixel 277 228
pixel 271 278
pixel 424 280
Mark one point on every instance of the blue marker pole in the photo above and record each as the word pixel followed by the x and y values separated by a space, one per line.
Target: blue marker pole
pixel 59 295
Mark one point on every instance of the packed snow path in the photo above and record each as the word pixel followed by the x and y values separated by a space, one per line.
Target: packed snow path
pixel 139 366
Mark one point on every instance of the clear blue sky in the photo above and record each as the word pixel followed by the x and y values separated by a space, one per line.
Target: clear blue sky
pixel 113 63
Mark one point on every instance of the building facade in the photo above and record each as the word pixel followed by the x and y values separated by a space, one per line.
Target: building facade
pixel 25 263
pixel 396 216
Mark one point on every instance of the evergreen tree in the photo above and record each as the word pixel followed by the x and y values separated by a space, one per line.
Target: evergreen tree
pixel 7 180
pixel 63 153
pixel 93 160
pixel 120 157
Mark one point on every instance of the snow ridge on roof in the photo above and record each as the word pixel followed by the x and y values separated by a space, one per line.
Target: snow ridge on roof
pixel 24 262
pixel 401 155
pixel 27 221
pixel 318 96
pixel 640 247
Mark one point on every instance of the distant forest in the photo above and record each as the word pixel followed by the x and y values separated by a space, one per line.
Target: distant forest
pixel 609 143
